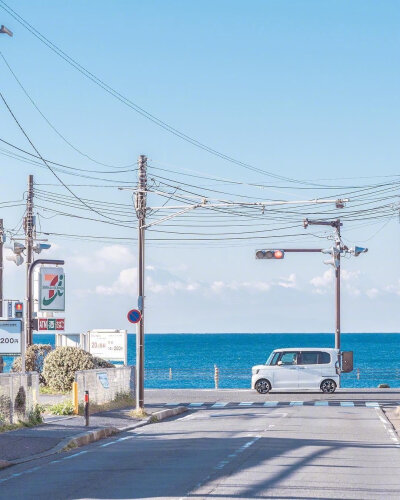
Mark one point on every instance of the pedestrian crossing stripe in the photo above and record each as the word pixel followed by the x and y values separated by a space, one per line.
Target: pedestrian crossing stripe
pixel 274 404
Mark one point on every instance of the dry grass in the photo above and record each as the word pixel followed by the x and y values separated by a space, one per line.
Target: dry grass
pixel 139 413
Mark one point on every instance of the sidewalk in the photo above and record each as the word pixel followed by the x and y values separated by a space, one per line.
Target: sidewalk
pixel 56 432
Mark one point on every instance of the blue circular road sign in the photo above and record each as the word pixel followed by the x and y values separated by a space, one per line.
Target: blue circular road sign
pixel 134 316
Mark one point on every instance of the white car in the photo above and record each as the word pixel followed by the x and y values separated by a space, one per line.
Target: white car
pixel 300 369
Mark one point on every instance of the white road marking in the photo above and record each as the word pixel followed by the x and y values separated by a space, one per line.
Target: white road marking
pixel 74 455
pixel 107 444
pixel 346 403
pixel 246 403
pixel 372 404
pixel 271 403
pixel 218 405
pixel 321 403
pixel 296 403
pixel 196 404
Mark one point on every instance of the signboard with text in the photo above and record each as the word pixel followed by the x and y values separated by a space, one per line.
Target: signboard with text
pixel 51 289
pixel 10 336
pixel 110 345
pixel 45 324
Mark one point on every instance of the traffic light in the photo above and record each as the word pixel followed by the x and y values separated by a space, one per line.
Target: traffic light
pixel 18 309
pixel 270 254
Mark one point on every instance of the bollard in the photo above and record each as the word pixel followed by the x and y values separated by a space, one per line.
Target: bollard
pixel 216 376
pixel 86 408
pixel 358 374
pixel 75 402
pixel 170 373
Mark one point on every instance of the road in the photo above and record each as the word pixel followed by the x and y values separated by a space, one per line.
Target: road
pixel 239 452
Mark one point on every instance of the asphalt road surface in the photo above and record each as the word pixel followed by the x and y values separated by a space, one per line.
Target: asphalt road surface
pixel 299 452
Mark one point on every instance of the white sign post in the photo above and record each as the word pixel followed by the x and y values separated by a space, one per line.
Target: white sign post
pixel 110 345
pixel 51 289
pixel 11 337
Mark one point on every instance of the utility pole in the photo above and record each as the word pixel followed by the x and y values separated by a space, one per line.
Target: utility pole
pixel 1 281
pixel 29 235
pixel 335 251
pixel 1 265
pixel 140 207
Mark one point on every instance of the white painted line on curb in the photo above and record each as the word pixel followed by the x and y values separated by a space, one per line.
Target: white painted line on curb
pixel 246 403
pixel 321 403
pixel 172 404
pixel 372 404
pixel 271 403
pixel 218 405
pixel 296 403
pixel 346 403
pixel 196 404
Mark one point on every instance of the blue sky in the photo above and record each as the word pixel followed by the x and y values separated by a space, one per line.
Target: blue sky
pixel 307 90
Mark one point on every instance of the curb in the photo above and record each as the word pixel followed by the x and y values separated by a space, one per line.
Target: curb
pixel 95 435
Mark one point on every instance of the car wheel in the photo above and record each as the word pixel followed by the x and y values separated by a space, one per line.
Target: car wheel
pixel 262 386
pixel 328 386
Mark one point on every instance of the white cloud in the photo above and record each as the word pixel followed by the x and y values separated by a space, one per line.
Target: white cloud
pixel 104 259
pixel 125 284
pixel 289 282
pixel 372 293
pixel 323 282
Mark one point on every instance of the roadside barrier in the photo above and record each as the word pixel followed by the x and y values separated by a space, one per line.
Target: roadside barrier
pixel 218 376
pixel 18 396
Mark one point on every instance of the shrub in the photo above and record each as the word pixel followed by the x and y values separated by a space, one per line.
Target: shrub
pixel 101 363
pixel 63 408
pixel 61 364
pixel 34 360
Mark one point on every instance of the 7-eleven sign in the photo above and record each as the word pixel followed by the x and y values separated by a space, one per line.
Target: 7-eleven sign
pixel 51 289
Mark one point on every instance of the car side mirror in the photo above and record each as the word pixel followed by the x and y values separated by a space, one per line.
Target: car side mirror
pixel 279 363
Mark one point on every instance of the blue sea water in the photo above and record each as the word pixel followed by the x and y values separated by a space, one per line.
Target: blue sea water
pixel 190 358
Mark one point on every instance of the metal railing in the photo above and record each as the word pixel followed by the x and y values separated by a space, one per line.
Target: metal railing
pixel 232 377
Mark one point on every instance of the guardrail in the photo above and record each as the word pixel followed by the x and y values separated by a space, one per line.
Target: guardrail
pixel 232 377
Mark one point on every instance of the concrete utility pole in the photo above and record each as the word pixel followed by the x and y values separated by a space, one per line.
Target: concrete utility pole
pixel 1 265
pixel 29 235
pixel 335 252
pixel 140 207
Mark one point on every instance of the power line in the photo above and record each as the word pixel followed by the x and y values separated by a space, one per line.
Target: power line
pixel 47 165
pixel 51 125
pixel 136 107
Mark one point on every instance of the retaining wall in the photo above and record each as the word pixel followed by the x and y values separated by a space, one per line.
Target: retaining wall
pixel 18 396
pixel 104 384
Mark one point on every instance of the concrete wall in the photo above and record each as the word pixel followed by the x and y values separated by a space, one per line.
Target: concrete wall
pixel 18 396
pixel 104 384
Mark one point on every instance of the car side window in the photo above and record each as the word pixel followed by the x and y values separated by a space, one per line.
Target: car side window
pixel 309 358
pixel 288 358
pixel 324 358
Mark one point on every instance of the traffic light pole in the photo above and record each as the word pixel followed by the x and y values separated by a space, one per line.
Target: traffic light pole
pixel 140 206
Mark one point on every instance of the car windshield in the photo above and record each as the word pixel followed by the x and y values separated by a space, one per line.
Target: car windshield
pixel 268 362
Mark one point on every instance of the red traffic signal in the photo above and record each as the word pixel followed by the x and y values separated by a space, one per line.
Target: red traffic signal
pixel 18 309
pixel 270 254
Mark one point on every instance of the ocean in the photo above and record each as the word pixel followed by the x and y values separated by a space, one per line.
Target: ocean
pixel 188 360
